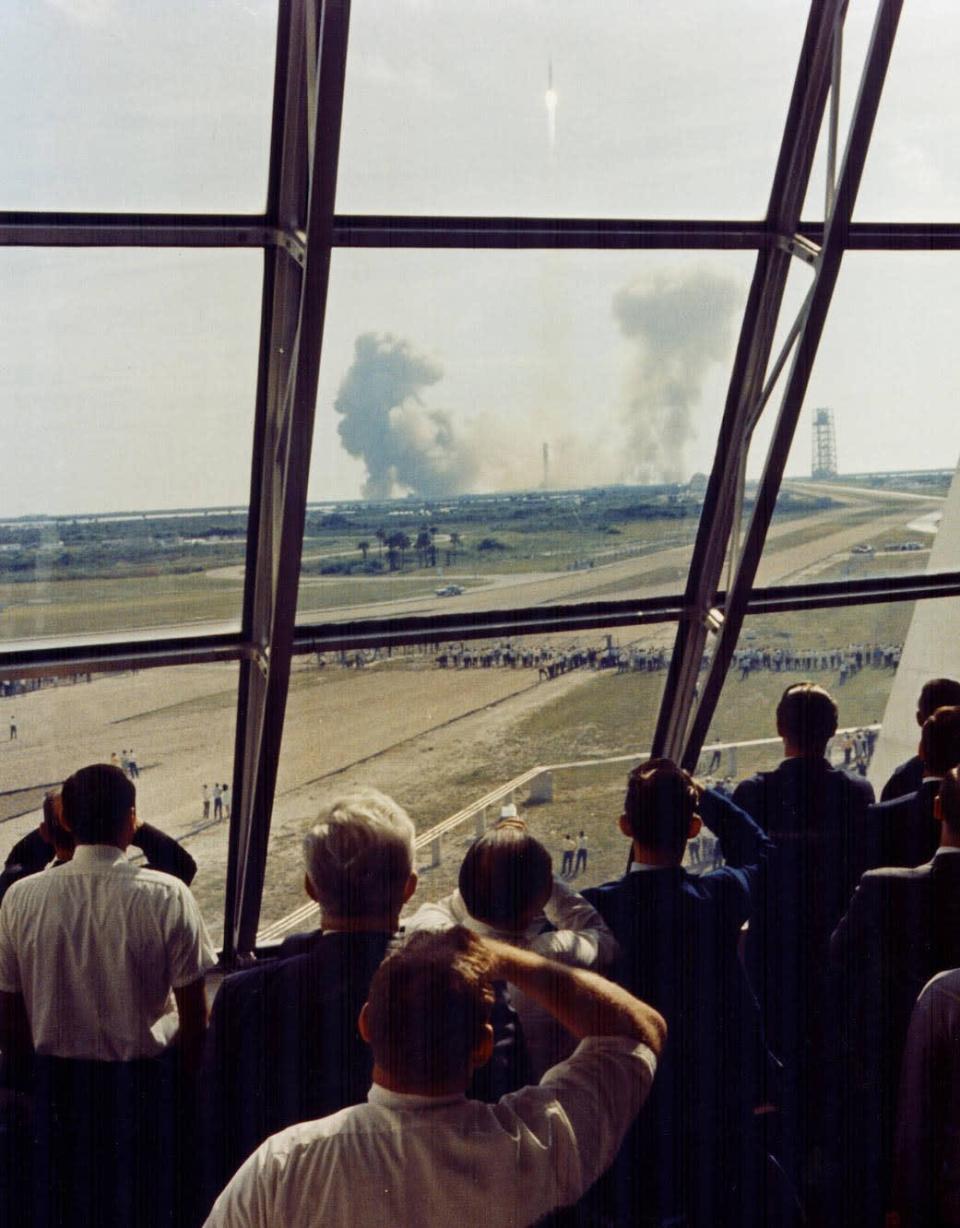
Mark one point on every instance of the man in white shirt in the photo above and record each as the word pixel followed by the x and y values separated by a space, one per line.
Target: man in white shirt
pixel 418 1152
pixel 102 969
pixel 103 959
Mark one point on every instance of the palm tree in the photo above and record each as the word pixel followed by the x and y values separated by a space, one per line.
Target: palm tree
pixel 363 547
pixel 423 544
pixel 397 545
pixel 381 536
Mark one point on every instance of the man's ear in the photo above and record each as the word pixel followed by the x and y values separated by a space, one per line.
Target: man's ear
pixel 694 829
pixel 937 809
pixel 309 888
pixel 410 886
pixel 363 1025
pixel 624 824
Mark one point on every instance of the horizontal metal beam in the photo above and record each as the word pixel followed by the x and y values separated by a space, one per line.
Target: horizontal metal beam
pixel 46 229
pixel 95 654
pixel 137 230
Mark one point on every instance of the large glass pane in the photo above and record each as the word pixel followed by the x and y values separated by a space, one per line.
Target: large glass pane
pixel 880 400
pixel 851 651
pixel 177 725
pixel 911 173
pixel 546 109
pixel 129 379
pixel 527 427
pixel 136 107
pixel 441 729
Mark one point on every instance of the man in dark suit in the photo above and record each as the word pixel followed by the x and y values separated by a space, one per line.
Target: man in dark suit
pixel 907 778
pixel 816 815
pixel 905 827
pixel 283 1045
pixel 902 927
pixel 678 934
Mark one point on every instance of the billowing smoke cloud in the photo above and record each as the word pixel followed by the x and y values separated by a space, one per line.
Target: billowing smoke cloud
pixel 403 444
pixel 677 327
pixel 681 325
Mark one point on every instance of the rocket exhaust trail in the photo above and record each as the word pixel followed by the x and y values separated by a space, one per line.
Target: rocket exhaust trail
pixel 550 101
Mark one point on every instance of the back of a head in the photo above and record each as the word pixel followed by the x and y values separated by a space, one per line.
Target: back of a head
pixel 950 800
pixel 96 803
pixel 661 801
pixel 63 839
pixel 359 855
pixel 937 693
pixel 807 717
pixel 427 1007
pixel 940 741
pixel 506 878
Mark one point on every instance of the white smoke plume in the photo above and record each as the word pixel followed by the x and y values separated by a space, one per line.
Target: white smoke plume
pixel 404 445
pixel 681 325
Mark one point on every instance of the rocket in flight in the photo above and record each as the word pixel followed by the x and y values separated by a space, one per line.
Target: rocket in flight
pixel 550 100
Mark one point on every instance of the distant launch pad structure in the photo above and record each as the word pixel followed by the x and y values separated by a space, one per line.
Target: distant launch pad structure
pixel 824 463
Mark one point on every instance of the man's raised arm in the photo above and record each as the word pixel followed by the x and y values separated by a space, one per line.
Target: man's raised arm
pixel 583 1002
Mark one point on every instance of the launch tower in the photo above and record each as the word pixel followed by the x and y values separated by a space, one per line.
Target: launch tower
pixel 824 464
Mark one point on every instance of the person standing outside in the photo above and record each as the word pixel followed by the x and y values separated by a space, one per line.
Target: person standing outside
pixel 225 801
pixel 205 798
pixel 217 802
pixel 13 728
pixel 581 862
pixel 566 865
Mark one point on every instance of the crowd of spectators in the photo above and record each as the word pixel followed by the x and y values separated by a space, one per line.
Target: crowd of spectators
pixel 749 1045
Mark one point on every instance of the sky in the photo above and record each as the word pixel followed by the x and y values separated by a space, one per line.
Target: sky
pixel 127 377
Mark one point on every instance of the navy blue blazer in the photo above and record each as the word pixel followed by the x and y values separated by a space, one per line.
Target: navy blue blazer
pixel 283 1047
pixel 902 927
pixel 905 828
pixel 904 779
pixel 817 816
pixel 679 935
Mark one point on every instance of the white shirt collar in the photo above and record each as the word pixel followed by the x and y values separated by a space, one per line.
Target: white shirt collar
pixel 97 855
pixel 945 849
pixel 406 1100
pixel 640 867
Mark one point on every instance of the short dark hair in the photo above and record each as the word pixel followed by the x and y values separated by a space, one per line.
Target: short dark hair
pixel 660 803
pixel 427 1007
pixel 97 801
pixel 807 717
pixel 505 876
pixel 940 741
pixel 937 693
pixel 950 800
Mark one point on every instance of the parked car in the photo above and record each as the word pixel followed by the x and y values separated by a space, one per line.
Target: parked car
pixel 449 590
